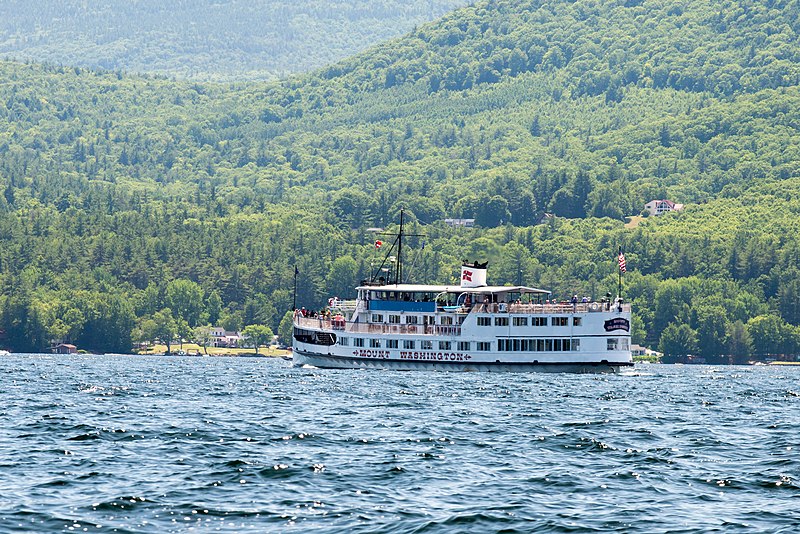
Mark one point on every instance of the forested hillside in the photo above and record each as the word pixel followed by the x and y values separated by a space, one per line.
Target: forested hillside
pixel 128 200
pixel 205 39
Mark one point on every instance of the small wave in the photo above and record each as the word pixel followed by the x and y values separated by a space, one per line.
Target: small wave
pixel 84 437
pixel 586 423
pixel 293 437
pixel 474 521
pixel 278 472
pixel 783 482
pixel 127 502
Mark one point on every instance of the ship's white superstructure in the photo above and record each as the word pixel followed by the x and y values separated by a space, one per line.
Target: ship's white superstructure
pixel 466 327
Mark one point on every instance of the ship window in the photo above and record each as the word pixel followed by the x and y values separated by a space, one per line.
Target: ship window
pixel 560 321
pixel 377 318
pixel 557 344
pixel 484 321
pixel 576 344
pixel 548 345
pixel 612 343
pixel 446 320
pixel 501 321
pixel 539 321
pixel 344 341
pixel 484 346
pixel 412 319
pixel 520 321
pixel 444 345
pixel 463 345
pixel 502 345
pixel 576 321
pixel 517 345
pixel 408 343
pixel 375 343
pixel 391 343
pixel 427 344
pixel 358 342
pixel 624 343
pixel 540 345
pixel 394 319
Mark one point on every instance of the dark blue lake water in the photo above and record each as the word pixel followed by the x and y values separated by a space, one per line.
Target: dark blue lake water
pixel 160 444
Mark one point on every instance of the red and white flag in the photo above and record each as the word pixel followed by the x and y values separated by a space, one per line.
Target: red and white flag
pixel 473 276
pixel 378 243
pixel 621 260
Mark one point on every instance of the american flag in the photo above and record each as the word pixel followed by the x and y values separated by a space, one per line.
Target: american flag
pixel 621 260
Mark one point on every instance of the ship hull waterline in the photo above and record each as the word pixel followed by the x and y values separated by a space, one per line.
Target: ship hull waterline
pixel 302 358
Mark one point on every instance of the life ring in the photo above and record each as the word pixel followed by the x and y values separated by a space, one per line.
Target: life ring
pixel 594 306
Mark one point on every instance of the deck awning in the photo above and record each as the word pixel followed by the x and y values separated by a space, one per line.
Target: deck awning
pixel 420 288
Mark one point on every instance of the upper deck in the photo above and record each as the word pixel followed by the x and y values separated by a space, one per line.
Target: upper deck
pixel 461 311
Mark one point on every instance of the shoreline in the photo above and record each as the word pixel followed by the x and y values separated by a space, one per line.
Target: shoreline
pixel 197 351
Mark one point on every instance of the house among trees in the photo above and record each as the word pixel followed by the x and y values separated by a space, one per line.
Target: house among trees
pixel 544 218
pixel 657 207
pixel 638 350
pixel 225 338
pixel 466 223
pixel 64 348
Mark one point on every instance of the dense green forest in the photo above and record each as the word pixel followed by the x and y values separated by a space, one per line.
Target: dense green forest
pixel 132 201
pixel 205 39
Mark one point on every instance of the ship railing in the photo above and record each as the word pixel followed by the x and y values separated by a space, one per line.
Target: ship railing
pixel 552 308
pixel 381 328
pixel 348 305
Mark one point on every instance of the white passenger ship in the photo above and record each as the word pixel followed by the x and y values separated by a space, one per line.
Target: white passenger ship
pixel 466 327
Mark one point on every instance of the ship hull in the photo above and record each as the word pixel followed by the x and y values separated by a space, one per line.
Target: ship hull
pixel 302 358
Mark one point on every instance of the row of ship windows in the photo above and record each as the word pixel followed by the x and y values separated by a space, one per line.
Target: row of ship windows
pixel 485 320
pixel 523 321
pixel 538 345
pixel 503 345
pixel 425 344
pixel 414 319
pixel 555 345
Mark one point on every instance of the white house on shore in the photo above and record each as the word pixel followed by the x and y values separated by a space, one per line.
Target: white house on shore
pixel 657 207
pixel 638 350
pixel 224 338
pixel 466 223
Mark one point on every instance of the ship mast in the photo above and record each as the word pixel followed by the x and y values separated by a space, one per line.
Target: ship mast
pixel 398 273
pixel 398 243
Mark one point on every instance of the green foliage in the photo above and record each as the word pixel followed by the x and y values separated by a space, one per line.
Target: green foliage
pixel 678 340
pixel 285 327
pixel 205 39
pixel 202 336
pixel 258 334
pixel 165 328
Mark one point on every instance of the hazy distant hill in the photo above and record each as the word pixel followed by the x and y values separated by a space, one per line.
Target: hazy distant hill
pixel 205 39
pixel 116 186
